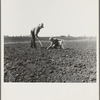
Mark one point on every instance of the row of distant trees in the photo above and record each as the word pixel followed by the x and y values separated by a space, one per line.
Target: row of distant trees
pixel 30 36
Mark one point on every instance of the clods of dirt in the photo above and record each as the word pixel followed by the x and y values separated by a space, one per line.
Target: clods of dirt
pixel 75 63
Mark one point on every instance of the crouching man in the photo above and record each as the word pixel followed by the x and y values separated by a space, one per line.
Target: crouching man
pixel 55 43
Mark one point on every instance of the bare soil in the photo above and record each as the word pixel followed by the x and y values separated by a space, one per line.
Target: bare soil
pixel 76 63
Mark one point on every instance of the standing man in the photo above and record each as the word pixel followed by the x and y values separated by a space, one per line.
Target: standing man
pixel 34 34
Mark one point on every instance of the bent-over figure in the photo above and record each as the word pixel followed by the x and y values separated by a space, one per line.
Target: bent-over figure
pixel 34 34
pixel 55 43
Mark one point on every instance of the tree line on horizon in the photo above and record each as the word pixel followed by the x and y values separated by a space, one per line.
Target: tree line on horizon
pixel 28 38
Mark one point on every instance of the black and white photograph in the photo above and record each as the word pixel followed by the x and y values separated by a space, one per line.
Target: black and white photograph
pixel 50 41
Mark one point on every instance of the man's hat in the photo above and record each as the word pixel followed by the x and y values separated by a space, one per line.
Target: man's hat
pixel 41 25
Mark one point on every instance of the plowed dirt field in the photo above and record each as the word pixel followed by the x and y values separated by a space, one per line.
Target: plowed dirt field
pixel 76 63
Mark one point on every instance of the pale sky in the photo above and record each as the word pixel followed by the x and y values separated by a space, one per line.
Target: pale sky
pixel 60 17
